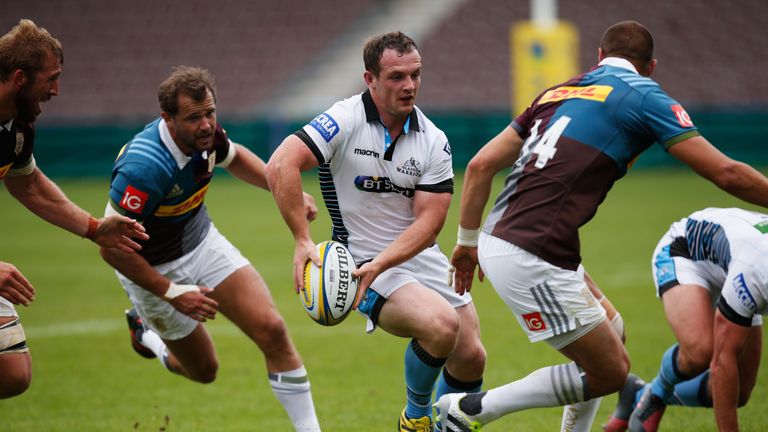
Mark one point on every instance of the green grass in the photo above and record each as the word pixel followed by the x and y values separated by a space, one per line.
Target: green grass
pixel 86 377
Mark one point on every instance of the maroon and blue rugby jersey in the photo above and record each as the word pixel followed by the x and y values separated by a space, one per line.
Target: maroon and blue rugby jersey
pixel 580 137
pixel 154 183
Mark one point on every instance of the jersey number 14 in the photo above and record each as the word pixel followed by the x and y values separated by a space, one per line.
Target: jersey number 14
pixel 545 146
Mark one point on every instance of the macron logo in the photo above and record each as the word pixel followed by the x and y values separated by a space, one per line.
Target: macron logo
pixel 326 125
pixel 742 291
pixel 133 199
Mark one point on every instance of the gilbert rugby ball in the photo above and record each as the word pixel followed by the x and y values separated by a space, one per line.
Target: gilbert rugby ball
pixel 330 290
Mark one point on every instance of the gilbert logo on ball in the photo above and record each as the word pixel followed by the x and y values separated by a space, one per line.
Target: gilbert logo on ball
pixel 330 290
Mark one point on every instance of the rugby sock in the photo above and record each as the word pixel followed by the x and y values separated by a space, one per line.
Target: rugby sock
pixel 669 375
pixel 447 383
pixel 547 387
pixel 151 340
pixel 292 389
pixel 421 372
pixel 693 393
pixel 578 417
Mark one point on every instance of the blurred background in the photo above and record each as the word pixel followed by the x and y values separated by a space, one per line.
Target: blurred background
pixel 278 63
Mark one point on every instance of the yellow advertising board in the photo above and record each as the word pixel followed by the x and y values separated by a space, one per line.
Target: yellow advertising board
pixel 541 57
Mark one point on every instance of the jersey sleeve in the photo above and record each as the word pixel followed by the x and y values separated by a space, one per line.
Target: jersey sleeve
pixel 438 177
pixel 138 185
pixel 225 150
pixel 668 121
pixel 326 132
pixel 24 163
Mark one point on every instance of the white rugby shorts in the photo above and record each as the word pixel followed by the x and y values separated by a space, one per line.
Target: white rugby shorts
pixel 550 303
pixel 212 261
pixel 429 268
pixel 7 308
pixel 670 271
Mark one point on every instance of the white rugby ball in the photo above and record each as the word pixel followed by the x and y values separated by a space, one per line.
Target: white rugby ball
pixel 330 290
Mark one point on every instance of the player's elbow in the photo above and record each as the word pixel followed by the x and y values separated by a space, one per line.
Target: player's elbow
pixel 731 177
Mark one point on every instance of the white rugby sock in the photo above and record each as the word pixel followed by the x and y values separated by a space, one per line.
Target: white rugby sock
pixel 292 389
pixel 151 340
pixel 547 387
pixel 578 417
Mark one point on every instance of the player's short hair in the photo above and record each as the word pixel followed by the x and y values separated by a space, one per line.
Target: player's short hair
pixel 194 82
pixel 630 40
pixel 375 46
pixel 26 47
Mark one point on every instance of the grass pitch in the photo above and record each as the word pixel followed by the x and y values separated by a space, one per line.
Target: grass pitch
pixel 87 378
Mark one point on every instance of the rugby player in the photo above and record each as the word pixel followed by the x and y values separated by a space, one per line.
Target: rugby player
pixel 30 66
pixel 387 181
pixel 710 273
pixel 566 150
pixel 188 271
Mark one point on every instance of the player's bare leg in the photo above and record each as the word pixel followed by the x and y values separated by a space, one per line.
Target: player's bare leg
pixel 433 324
pixel 243 298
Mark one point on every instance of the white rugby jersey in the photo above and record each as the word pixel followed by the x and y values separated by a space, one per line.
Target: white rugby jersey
pixel 368 181
pixel 736 240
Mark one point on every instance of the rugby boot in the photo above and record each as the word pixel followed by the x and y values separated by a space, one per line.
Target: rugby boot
pixel 647 414
pixel 136 327
pixel 619 420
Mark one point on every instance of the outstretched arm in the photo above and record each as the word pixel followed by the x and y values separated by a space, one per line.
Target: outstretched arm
pixel 43 198
pixel 734 177
pixel 500 152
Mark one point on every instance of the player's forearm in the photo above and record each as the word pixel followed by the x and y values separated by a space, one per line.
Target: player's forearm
pixel 44 198
pixel 417 237
pixel 474 196
pixel 285 184
pixel 725 390
pixel 249 168
pixel 744 182
pixel 137 269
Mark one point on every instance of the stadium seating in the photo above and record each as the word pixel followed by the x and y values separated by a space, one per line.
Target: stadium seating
pixel 117 52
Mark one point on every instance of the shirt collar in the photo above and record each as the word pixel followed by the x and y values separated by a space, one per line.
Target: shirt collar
pixel 165 135
pixel 8 125
pixel 372 113
pixel 619 62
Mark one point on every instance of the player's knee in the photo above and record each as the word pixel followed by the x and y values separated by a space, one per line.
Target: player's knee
pixel 696 358
pixel 445 330
pixel 14 384
pixel 474 361
pixel 271 333
pixel 205 373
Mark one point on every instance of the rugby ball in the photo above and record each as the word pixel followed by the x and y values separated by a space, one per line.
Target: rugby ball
pixel 329 291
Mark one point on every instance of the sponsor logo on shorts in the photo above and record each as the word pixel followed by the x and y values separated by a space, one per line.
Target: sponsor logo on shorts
pixel 365 152
pixel 534 322
pixel 742 291
pixel 682 117
pixel 133 199
pixel 411 167
pixel 326 125
pixel 597 93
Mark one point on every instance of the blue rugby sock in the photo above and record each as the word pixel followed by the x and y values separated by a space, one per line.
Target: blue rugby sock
pixel 693 393
pixel 421 372
pixel 669 375
pixel 447 383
